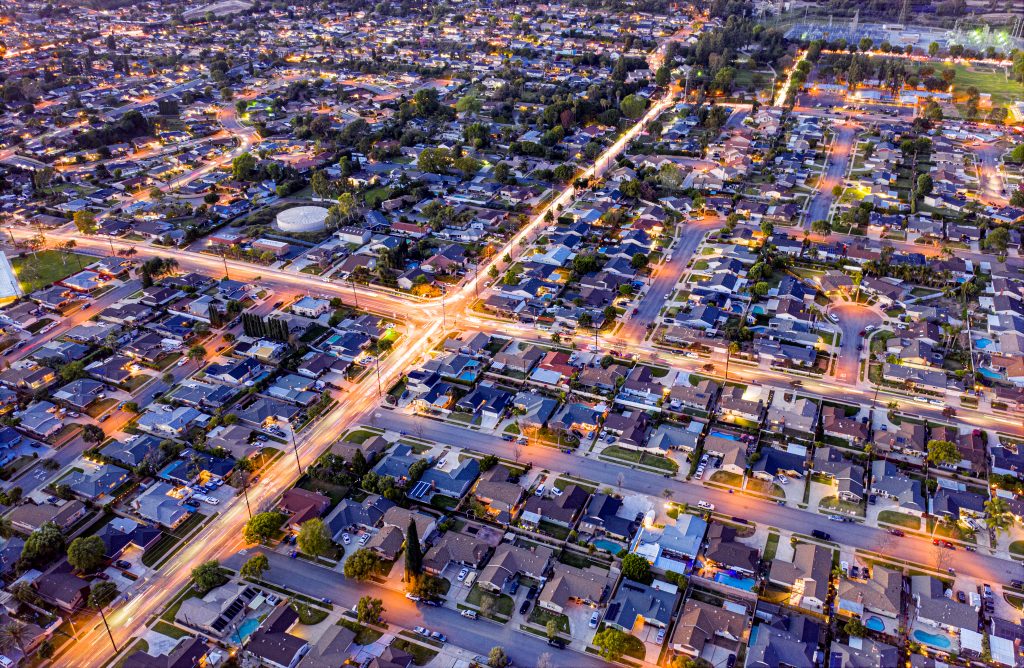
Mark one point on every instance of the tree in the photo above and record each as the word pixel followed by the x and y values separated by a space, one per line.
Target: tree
pixel 255 566
pixel 734 347
pixel 924 184
pixel 262 527
pixel 43 545
pixel 85 221
pixel 413 553
pixel 243 166
pixel 997 239
pixel 14 634
pixel 101 595
pixel 639 261
pixel 552 629
pixel 932 111
pixel 497 658
pixel 933 48
pixel 633 106
pixel 369 610
pixel 6 527
pixel 943 452
pixel 855 627
pixel 636 568
pixel 611 642
pixel 314 538
pixel 197 353
pixel 428 587
pixel 207 576
pixel 822 227
pixel 87 553
pixel 997 515
pixel 92 434
pixel 361 565
pixel 681 661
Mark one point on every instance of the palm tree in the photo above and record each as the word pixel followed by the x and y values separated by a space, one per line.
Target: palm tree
pixel 997 515
pixel 197 354
pixel 6 527
pixel 734 348
pixel 243 470
pixel 13 634
pixel 100 596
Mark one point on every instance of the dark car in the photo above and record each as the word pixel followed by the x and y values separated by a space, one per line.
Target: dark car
pixel 525 607
pixel 961 597
pixel 821 535
pixel 121 563
pixel 556 642
pixel 513 588
pixel 532 593
pixel 897 532
pixel 1017 584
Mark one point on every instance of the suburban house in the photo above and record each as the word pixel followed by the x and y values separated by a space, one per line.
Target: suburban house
pixel 807 577
pixel 511 561
pixel 569 584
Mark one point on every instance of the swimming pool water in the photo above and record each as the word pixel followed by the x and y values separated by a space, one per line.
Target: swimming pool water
pixel 246 629
pixel 933 639
pixel 746 584
pixel 988 373
pixel 721 434
pixel 608 546
pixel 983 343
pixel 875 624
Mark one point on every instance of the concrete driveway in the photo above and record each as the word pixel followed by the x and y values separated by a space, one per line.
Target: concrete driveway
pixel 853 318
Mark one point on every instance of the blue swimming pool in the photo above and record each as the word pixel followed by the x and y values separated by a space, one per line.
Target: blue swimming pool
pixel 246 629
pixel 722 434
pixel 989 373
pixel 933 639
pixel 608 546
pixel 875 624
pixel 746 584
pixel 983 343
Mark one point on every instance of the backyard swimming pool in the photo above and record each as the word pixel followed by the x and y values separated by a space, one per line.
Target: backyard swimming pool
pixel 607 546
pixel 988 373
pixel 246 628
pixel 933 639
pixel 722 434
pixel 746 584
pixel 875 624
pixel 983 343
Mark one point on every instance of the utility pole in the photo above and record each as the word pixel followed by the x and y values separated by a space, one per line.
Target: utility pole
pixel 295 448
pixel 224 257
pixel 444 320
pixel 355 295
pixel 380 392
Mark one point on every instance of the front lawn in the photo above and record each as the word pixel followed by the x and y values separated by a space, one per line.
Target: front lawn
pixel 364 634
pixel 501 606
pixel 308 615
pixel 42 269
pixel 540 616
pixel 420 655
pixel 900 519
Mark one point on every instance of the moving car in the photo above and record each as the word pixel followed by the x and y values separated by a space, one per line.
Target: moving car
pixel 705 505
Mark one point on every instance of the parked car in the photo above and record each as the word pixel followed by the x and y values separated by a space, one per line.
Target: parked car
pixel 525 607
pixel 961 597
pixel 468 614
pixel 122 564
pixel 438 636
pixel 463 573
pixel 897 532
pixel 594 619
pixel 422 631
pixel 556 642
pixel 705 505
pixel 821 535
pixel 412 597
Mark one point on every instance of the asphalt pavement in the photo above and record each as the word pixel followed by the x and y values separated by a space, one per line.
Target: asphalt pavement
pixel 856 535
pixel 477 636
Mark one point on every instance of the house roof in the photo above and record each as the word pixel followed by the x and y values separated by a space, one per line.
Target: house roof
pixel 634 600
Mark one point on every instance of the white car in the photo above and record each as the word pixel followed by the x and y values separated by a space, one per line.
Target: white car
pixel 556 492
pixel 345 538
pixel 705 505
pixel 364 539
pixel 833 317
pixel 594 619
pixel 182 362
pixel 463 573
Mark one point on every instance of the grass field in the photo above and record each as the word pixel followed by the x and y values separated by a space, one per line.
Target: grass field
pixel 987 80
pixel 46 267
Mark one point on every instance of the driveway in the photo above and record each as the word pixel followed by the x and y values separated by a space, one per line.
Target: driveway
pixel 478 636
pixel 853 318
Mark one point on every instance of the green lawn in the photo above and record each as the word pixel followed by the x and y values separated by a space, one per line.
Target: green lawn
pixel 364 634
pixel 374 195
pixel 39 270
pixel 170 630
pixel 541 616
pixel 771 546
pixel 987 80
pixel 420 655
pixel 309 615
pixel 1017 548
pixel 900 519
pixel 502 605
